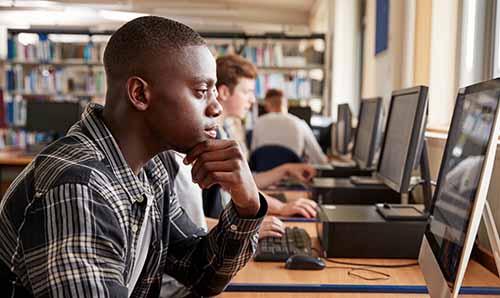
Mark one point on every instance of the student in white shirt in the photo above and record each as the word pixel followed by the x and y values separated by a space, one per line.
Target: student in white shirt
pixel 277 127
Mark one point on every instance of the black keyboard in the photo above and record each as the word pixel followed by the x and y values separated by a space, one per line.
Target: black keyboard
pixel 278 249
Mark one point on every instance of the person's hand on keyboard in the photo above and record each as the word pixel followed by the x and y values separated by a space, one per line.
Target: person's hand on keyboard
pixel 271 227
pixel 301 207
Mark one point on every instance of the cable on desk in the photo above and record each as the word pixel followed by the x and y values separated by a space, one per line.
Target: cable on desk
pixel 353 272
pixel 322 254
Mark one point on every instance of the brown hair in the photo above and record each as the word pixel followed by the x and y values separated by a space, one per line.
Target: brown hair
pixel 231 68
pixel 274 93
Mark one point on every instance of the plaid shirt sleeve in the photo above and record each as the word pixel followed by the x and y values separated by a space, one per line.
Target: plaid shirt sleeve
pixel 206 264
pixel 74 247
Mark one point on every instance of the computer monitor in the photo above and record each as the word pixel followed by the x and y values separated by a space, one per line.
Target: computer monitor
pixel 52 116
pixel 368 132
pixel 402 144
pixel 343 129
pixel 304 113
pixel 461 190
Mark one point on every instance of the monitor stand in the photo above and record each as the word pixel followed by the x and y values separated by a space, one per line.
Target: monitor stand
pixel 492 231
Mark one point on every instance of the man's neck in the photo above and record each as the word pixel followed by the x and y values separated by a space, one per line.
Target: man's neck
pixel 131 140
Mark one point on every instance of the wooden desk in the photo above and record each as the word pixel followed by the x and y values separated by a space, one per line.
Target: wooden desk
pixel 11 159
pixel 260 272
pixel 14 158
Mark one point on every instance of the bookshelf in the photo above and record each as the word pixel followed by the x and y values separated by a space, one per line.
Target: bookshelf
pixel 66 65
pixel 294 63
pixel 48 65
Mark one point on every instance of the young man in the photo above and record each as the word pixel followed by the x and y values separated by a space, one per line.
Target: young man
pixel 95 214
pixel 236 87
pixel 277 127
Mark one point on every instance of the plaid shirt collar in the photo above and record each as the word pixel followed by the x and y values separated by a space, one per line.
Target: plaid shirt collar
pixel 135 186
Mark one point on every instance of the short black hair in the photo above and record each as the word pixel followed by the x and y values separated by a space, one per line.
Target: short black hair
pixel 137 42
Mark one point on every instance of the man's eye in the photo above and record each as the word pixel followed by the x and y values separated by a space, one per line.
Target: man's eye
pixel 202 92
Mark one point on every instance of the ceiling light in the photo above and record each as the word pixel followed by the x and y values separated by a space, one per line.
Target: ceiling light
pixel 122 16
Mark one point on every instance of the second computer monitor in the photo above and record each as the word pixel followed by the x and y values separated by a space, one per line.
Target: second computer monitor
pixel 343 131
pixel 52 116
pixel 462 188
pixel 365 143
pixel 403 137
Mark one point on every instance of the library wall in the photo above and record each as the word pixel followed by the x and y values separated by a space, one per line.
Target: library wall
pixel 382 73
pixel 423 24
pixel 319 19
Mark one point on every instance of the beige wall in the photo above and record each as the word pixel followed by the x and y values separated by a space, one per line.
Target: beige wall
pixel 319 17
pixel 383 73
pixel 369 61
pixel 423 24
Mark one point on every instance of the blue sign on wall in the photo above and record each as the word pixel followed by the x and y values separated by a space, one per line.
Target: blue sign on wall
pixel 382 26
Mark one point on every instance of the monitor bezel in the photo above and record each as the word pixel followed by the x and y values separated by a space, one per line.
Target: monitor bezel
pixel 347 132
pixel 415 138
pixel 433 275
pixel 375 130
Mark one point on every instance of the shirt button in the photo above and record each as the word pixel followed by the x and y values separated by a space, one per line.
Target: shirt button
pixel 134 228
pixel 233 227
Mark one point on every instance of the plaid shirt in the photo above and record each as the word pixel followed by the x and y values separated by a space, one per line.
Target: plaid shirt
pixel 71 220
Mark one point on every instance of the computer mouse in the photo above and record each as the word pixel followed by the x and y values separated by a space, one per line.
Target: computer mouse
pixel 304 262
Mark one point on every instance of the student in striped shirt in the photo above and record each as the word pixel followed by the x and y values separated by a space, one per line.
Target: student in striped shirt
pixel 95 214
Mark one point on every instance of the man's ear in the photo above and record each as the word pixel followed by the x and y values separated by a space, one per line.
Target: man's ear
pixel 267 106
pixel 138 93
pixel 224 93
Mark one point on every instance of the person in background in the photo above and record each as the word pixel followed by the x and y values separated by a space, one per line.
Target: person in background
pixel 278 127
pixel 236 93
pixel 95 214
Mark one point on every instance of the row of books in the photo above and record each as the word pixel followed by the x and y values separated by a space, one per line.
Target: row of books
pixel 14 111
pixel 46 51
pixel 21 139
pixel 271 54
pixel 294 86
pixel 55 80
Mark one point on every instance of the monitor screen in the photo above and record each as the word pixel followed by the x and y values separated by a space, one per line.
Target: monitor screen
pixel 304 113
pixel 459 178
pixel 367 132
pixel 343 128
pixel 402 134
pixel 51 116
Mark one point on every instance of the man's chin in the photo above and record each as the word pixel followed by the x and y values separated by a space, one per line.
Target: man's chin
pixel 187 149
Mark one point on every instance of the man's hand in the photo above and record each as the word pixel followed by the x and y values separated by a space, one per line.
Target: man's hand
pixel 302 207
pixel 222 162
pixel 271 227
pixel 300 171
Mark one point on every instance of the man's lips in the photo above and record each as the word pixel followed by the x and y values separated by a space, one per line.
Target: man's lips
pixel 211 132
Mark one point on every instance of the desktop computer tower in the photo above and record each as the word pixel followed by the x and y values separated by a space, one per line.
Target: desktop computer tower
pixel 348 231
pixel 343 191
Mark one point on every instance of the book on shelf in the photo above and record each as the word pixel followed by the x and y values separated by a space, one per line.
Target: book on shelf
pixel 21 139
